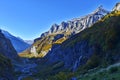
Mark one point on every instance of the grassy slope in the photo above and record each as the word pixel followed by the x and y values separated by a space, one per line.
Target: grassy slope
pixel 111 73
pixel 43 46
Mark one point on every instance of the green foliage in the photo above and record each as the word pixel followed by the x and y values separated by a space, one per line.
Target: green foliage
pixel 58 65
pixel 93 62
pixel 61 76
pixel 59 41
pixel 99 74
pixel 113 69
pixel 4 62
pixel 94 79
pixel 5 66
pixel 49 71
pixel 28 78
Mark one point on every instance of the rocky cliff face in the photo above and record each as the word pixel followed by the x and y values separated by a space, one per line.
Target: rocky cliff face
pixel 92 47
pixel 117 7
pixel 78 24
pixel 6 48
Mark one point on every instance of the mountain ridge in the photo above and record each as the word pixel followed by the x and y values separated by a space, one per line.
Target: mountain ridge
pixel 8 56
pixel 64 26
pixel 18 43
pixel 93 48
pixel 62 56
pixel 59 33
pixel 117 7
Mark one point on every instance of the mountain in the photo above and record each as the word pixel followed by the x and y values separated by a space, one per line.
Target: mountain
pixel 19 44
pixel 117 7
pixel 93 49
pixel 101 41
pixel 29 41
pixel 7 55
pixel 91 54
pixel 6 47
pixel 59 33
pixel 78 24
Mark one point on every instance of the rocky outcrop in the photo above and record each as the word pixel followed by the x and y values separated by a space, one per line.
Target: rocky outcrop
pixel 117 7
pixel 78 24
pixel 33 50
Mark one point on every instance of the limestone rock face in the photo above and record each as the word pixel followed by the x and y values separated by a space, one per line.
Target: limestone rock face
pixel 77 24
pixel 117 7
pixel 33 50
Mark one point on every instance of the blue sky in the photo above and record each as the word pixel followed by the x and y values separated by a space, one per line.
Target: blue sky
pixel 29 18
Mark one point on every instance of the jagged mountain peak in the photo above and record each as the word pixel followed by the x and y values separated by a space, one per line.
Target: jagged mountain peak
pixel 100 10
pixel 117 7
pixel 77 24
pixel 58 33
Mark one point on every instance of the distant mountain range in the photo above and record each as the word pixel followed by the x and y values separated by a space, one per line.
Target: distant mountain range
pixel 18 43
pixel 29 41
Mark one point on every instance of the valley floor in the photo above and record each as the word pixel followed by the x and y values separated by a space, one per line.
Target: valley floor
pixel 111 72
